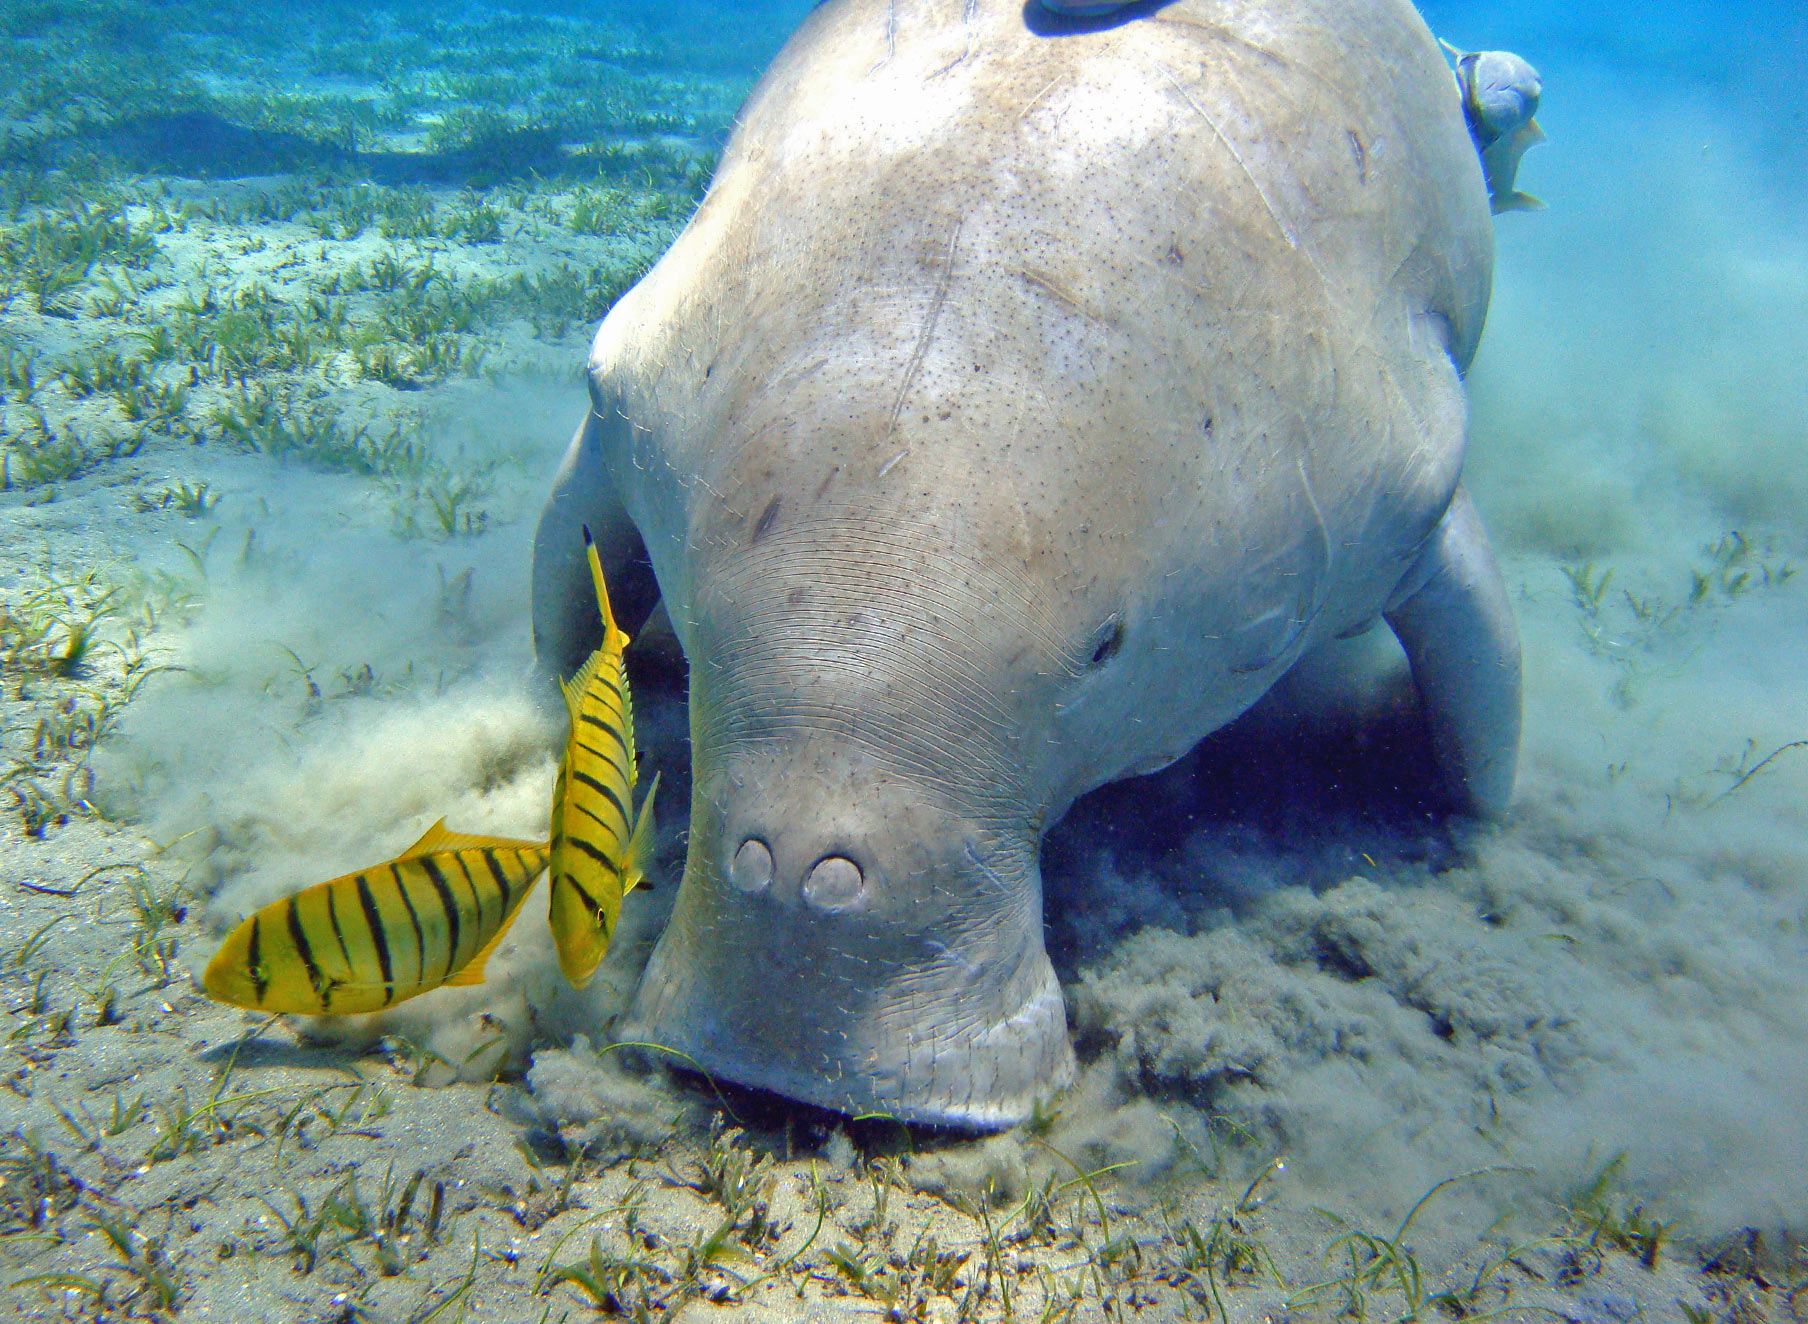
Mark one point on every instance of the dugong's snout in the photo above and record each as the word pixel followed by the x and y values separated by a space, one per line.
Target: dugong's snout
pixel 843 939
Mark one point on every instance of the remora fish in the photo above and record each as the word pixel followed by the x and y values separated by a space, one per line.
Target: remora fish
pixel 1500 94
pixel 596 849
pixel 430 917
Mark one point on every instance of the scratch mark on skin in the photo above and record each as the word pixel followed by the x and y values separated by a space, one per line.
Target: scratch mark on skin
pixel 968 970
pixel 1048 286
pixel 1326 551
pixel 955 63
pixel 990 874
pixel 1228 35
pixel 968 13
pixel 1262 193
pixel 1030 105
pixel 891 36
pixel 927 333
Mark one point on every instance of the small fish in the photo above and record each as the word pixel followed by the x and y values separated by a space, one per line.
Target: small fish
pixel 1500 94
pixel 430 917
pixel 597 846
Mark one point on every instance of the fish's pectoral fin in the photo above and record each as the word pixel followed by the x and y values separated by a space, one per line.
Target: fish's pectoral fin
pixel 640 841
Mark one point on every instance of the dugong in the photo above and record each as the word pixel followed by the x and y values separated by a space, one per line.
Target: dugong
pixel 1015 410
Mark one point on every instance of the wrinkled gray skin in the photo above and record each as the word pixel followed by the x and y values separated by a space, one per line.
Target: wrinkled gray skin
pixel 1015 412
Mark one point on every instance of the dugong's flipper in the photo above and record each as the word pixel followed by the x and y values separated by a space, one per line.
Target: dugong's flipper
pixel 1500 95
pixel 1451 616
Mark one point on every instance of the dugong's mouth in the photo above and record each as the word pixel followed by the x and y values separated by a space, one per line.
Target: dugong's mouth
pixel 956 1020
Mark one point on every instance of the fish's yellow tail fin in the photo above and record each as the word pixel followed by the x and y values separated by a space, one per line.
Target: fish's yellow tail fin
pixel 1515 201
pixel 613 637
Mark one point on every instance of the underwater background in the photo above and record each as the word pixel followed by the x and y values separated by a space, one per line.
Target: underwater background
pixel 293 307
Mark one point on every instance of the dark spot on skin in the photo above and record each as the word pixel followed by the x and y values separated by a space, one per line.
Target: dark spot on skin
pixel 767 518
pixel 945 415
pixel 710 369
pixel 1206 427
pixel 1174 257
pixel 1361 153
pixel 824 487
pixel 1107 642
pixel 795 598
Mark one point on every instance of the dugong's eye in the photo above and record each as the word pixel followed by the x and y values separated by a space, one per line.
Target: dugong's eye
pixel 1107 640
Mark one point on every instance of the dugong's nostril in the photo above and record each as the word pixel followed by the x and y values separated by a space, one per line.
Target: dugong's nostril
pixel 834 884
pixel 751 868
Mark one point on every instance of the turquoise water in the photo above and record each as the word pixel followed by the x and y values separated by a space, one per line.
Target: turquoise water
pixel 293 312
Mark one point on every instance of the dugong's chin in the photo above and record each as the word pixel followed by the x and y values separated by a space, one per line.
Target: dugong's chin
pixel 949 1042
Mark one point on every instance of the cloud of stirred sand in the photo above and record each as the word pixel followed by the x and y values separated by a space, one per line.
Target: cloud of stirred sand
pixel 1383 1001
pixel 342 686
pixel 1624 965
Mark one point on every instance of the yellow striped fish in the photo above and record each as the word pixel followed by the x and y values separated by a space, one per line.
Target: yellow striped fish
pixel 597 848
pixel 430 917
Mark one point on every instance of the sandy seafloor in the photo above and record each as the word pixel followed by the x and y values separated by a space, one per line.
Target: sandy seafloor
pixel 1300 1001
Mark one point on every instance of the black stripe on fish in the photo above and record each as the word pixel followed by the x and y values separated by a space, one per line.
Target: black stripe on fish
pixel 603 791
pixel 500 875
pixel 437 877
pixel 254 957
pixel 420 934
pixel 305 951
pixel 596 818
pixel 594 854
pixel 594 906
pixel 471 880
pixel 464 871
pixel 332 914
pixel 607 756
pixel 373 920
pixel 591 719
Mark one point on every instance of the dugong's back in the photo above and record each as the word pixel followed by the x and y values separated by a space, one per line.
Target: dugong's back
pixel 1249 234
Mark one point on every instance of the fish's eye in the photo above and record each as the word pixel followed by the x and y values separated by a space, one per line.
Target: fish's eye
pixel 1108 640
